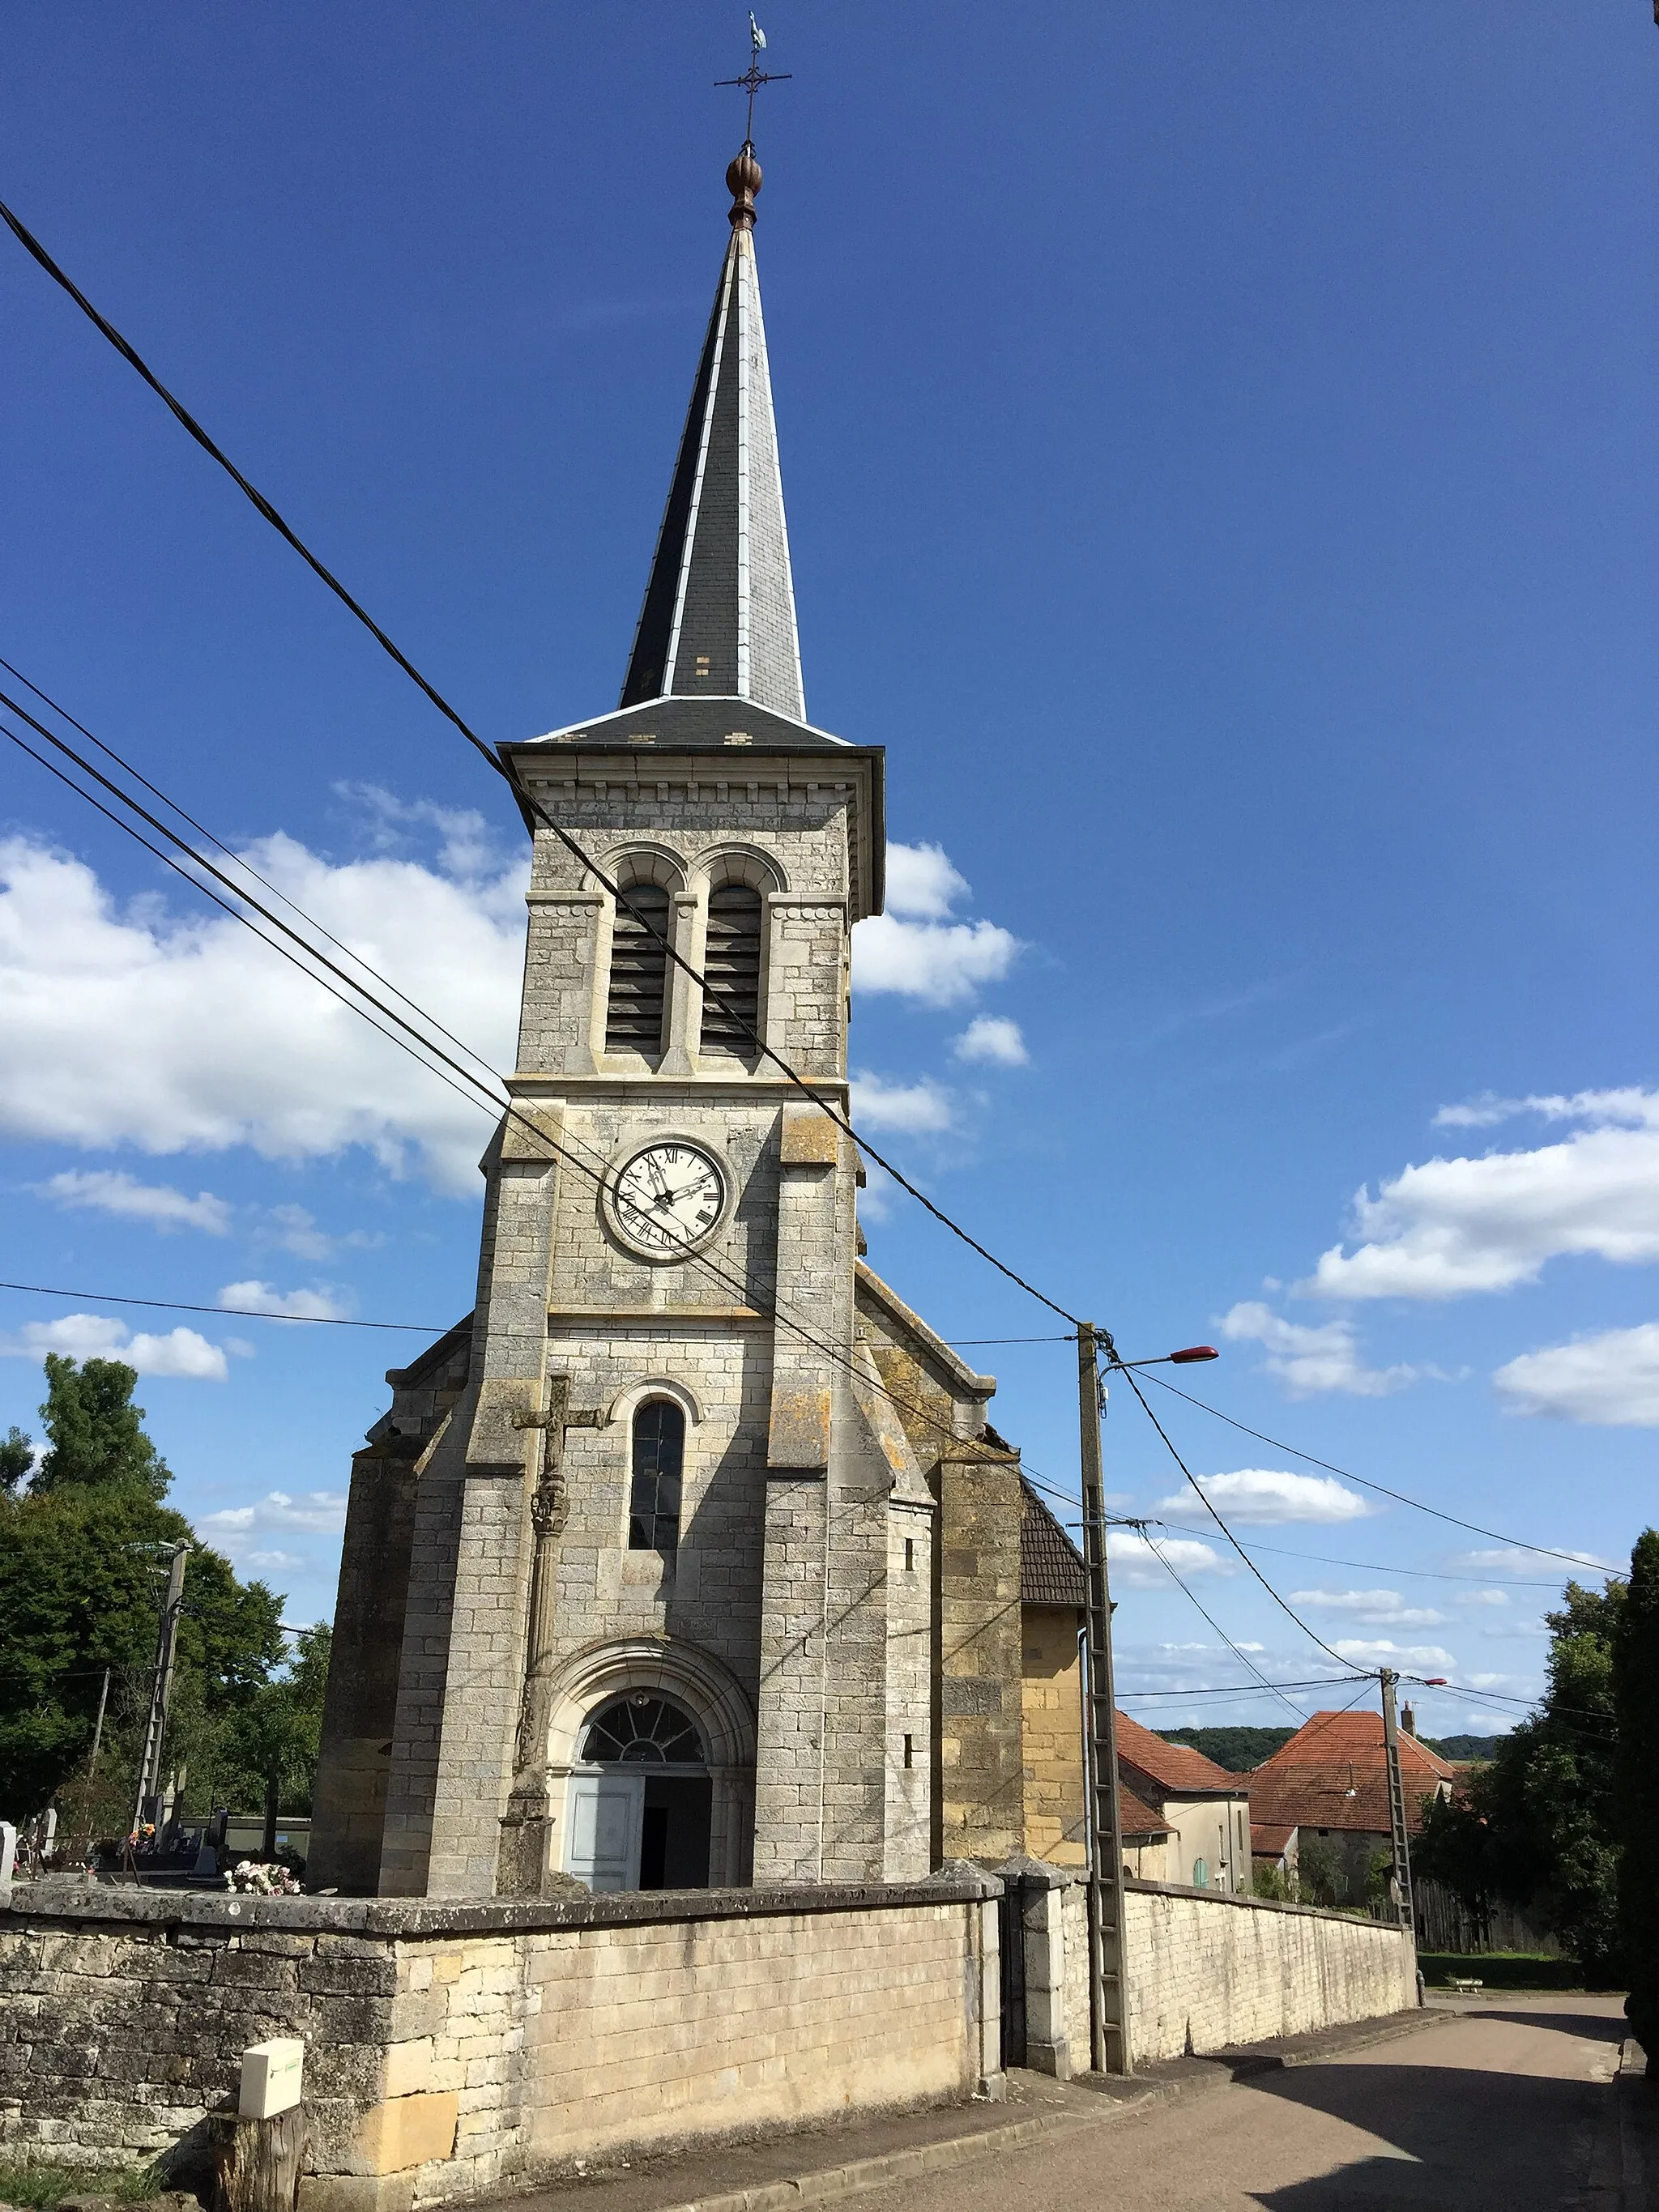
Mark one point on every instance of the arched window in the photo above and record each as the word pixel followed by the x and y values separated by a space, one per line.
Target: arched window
pixel 644 1729
pixel 639 972
pixel 1200 1873
pixel 732 962
pixel 654 1503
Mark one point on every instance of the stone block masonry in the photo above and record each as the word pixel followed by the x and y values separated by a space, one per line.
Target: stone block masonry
pixel 454 2050
pixel 1208 1971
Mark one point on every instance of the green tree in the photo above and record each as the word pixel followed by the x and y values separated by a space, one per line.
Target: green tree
pixel 1319 1874
pixel 1636 1787
pixel 1536 1826
pixel 97 1433
pixel 81 1574
pixel 16 1458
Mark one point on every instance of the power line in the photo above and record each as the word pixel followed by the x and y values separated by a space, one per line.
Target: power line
pixel 1369 1566
pixel 1245 1689
pixel 1285 1607
pixel 1243 1657
pixel 239 1313
pixel 503 768
pixel 1519 1543
pixel 479 1094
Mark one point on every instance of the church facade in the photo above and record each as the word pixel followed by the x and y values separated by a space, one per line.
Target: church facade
pixel 688 1559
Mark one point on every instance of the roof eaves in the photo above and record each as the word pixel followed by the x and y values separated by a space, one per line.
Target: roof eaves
pixel 954 1369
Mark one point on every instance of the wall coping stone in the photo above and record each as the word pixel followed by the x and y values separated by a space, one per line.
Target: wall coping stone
pixel 1264 1904
pixel 394 1917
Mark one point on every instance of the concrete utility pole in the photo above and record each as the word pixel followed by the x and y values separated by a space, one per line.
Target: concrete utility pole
pixel 160 1694
pixel 1398 1835
pixel 1109 2005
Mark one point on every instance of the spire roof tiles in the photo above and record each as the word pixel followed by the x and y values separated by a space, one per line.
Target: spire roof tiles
pixel 719 616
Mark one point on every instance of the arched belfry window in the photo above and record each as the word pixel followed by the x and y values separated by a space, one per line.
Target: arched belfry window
pixel 659 1457
pixel 731 963
pixel 639 971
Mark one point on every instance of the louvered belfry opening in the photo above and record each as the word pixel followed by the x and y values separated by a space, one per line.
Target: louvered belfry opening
pixel 731 963
pixel 639 972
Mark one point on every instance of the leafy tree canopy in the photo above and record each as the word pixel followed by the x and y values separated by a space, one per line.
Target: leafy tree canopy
pixel 1636 1689
pixel 97 1433
pixel 83 1557
pixel 1534 1825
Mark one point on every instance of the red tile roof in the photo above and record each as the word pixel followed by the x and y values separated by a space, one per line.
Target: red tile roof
pixel 1270 1840
pixel 1331 1774
pixel 1177 1769
pixel 1136 1819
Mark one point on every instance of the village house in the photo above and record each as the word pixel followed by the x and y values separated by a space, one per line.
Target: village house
pixel 1331 1781
pixel 1202 1811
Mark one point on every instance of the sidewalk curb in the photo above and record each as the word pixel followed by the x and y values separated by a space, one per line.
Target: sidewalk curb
pixel 826 2184
pixel 830 2182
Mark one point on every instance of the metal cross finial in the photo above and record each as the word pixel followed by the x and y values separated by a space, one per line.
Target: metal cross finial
pixel 754 76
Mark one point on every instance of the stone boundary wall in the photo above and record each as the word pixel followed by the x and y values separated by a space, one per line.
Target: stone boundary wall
pixel 1208 1971
pixel 454 2050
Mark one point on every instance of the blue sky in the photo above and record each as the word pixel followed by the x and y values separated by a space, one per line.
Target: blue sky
pixel 1220 459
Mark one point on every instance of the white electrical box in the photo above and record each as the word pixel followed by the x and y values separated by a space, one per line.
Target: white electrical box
pixel 271 2077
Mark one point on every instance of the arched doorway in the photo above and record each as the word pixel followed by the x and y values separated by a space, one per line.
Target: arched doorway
pixel 640 1797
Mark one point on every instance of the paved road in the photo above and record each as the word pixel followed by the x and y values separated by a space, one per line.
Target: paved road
pixel 1497 2112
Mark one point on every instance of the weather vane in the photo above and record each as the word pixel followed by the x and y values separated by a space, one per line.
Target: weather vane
pixel 754 76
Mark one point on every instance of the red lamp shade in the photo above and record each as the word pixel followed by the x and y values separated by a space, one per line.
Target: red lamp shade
pixel 1193 1351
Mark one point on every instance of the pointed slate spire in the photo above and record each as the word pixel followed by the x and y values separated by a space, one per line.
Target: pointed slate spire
pixel 719 618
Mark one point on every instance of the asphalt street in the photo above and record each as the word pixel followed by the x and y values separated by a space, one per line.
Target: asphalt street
pixel 1508 2110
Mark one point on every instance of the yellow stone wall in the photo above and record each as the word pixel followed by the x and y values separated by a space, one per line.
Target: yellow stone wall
pixel 1051 1702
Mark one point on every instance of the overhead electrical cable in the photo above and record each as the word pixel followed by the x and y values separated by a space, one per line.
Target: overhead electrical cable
pixel 1283 1605
pixel 1400 1497
pixel 478 1092
pixel 236 1313
pixel 1369 1566
pixel 733 1010
pixel 1243 1657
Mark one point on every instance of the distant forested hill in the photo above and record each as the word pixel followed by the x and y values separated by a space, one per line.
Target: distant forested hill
pixel 1463 1746
pixel 1237 1749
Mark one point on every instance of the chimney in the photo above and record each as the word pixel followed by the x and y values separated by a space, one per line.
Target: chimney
pixel 1408 1720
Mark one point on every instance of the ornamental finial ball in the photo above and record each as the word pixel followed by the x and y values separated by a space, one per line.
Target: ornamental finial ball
pixel 743 181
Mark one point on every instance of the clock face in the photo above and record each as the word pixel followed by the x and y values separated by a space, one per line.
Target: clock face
pixel 667 1198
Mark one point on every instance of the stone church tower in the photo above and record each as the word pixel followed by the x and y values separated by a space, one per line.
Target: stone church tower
pixel 643 1579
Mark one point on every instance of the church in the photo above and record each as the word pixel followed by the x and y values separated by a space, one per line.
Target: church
pixel 688 1558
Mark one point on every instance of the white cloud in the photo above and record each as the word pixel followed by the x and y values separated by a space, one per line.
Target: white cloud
pixel 319 1513
pixel 1258 1497
pixel 922 882
pixel 104 1190
pixel 134 1026
pixel 993 1037
pixel 1309 1359
pixel 914 1108
pixel 1379 1609
pixel 1610 1381
pixel 254 1296
pixel 1380 1652
pixel 1483 1597
pixel 1135 1564
pixel 181 1353
pixel 291 1228
pixel 1516 1559
pixel 1452 1226
pixel 914 949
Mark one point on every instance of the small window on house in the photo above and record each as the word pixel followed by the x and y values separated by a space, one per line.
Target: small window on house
pixel 731 963
pixel 653 1505
pixel 909 1555
pixel 639 971
pixel 1200 1873
pixel 909 1750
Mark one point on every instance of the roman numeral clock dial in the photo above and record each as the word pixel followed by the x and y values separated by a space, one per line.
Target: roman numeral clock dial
pixel 667 1199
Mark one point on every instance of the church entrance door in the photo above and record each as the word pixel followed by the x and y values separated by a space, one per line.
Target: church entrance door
pixel 638 1807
